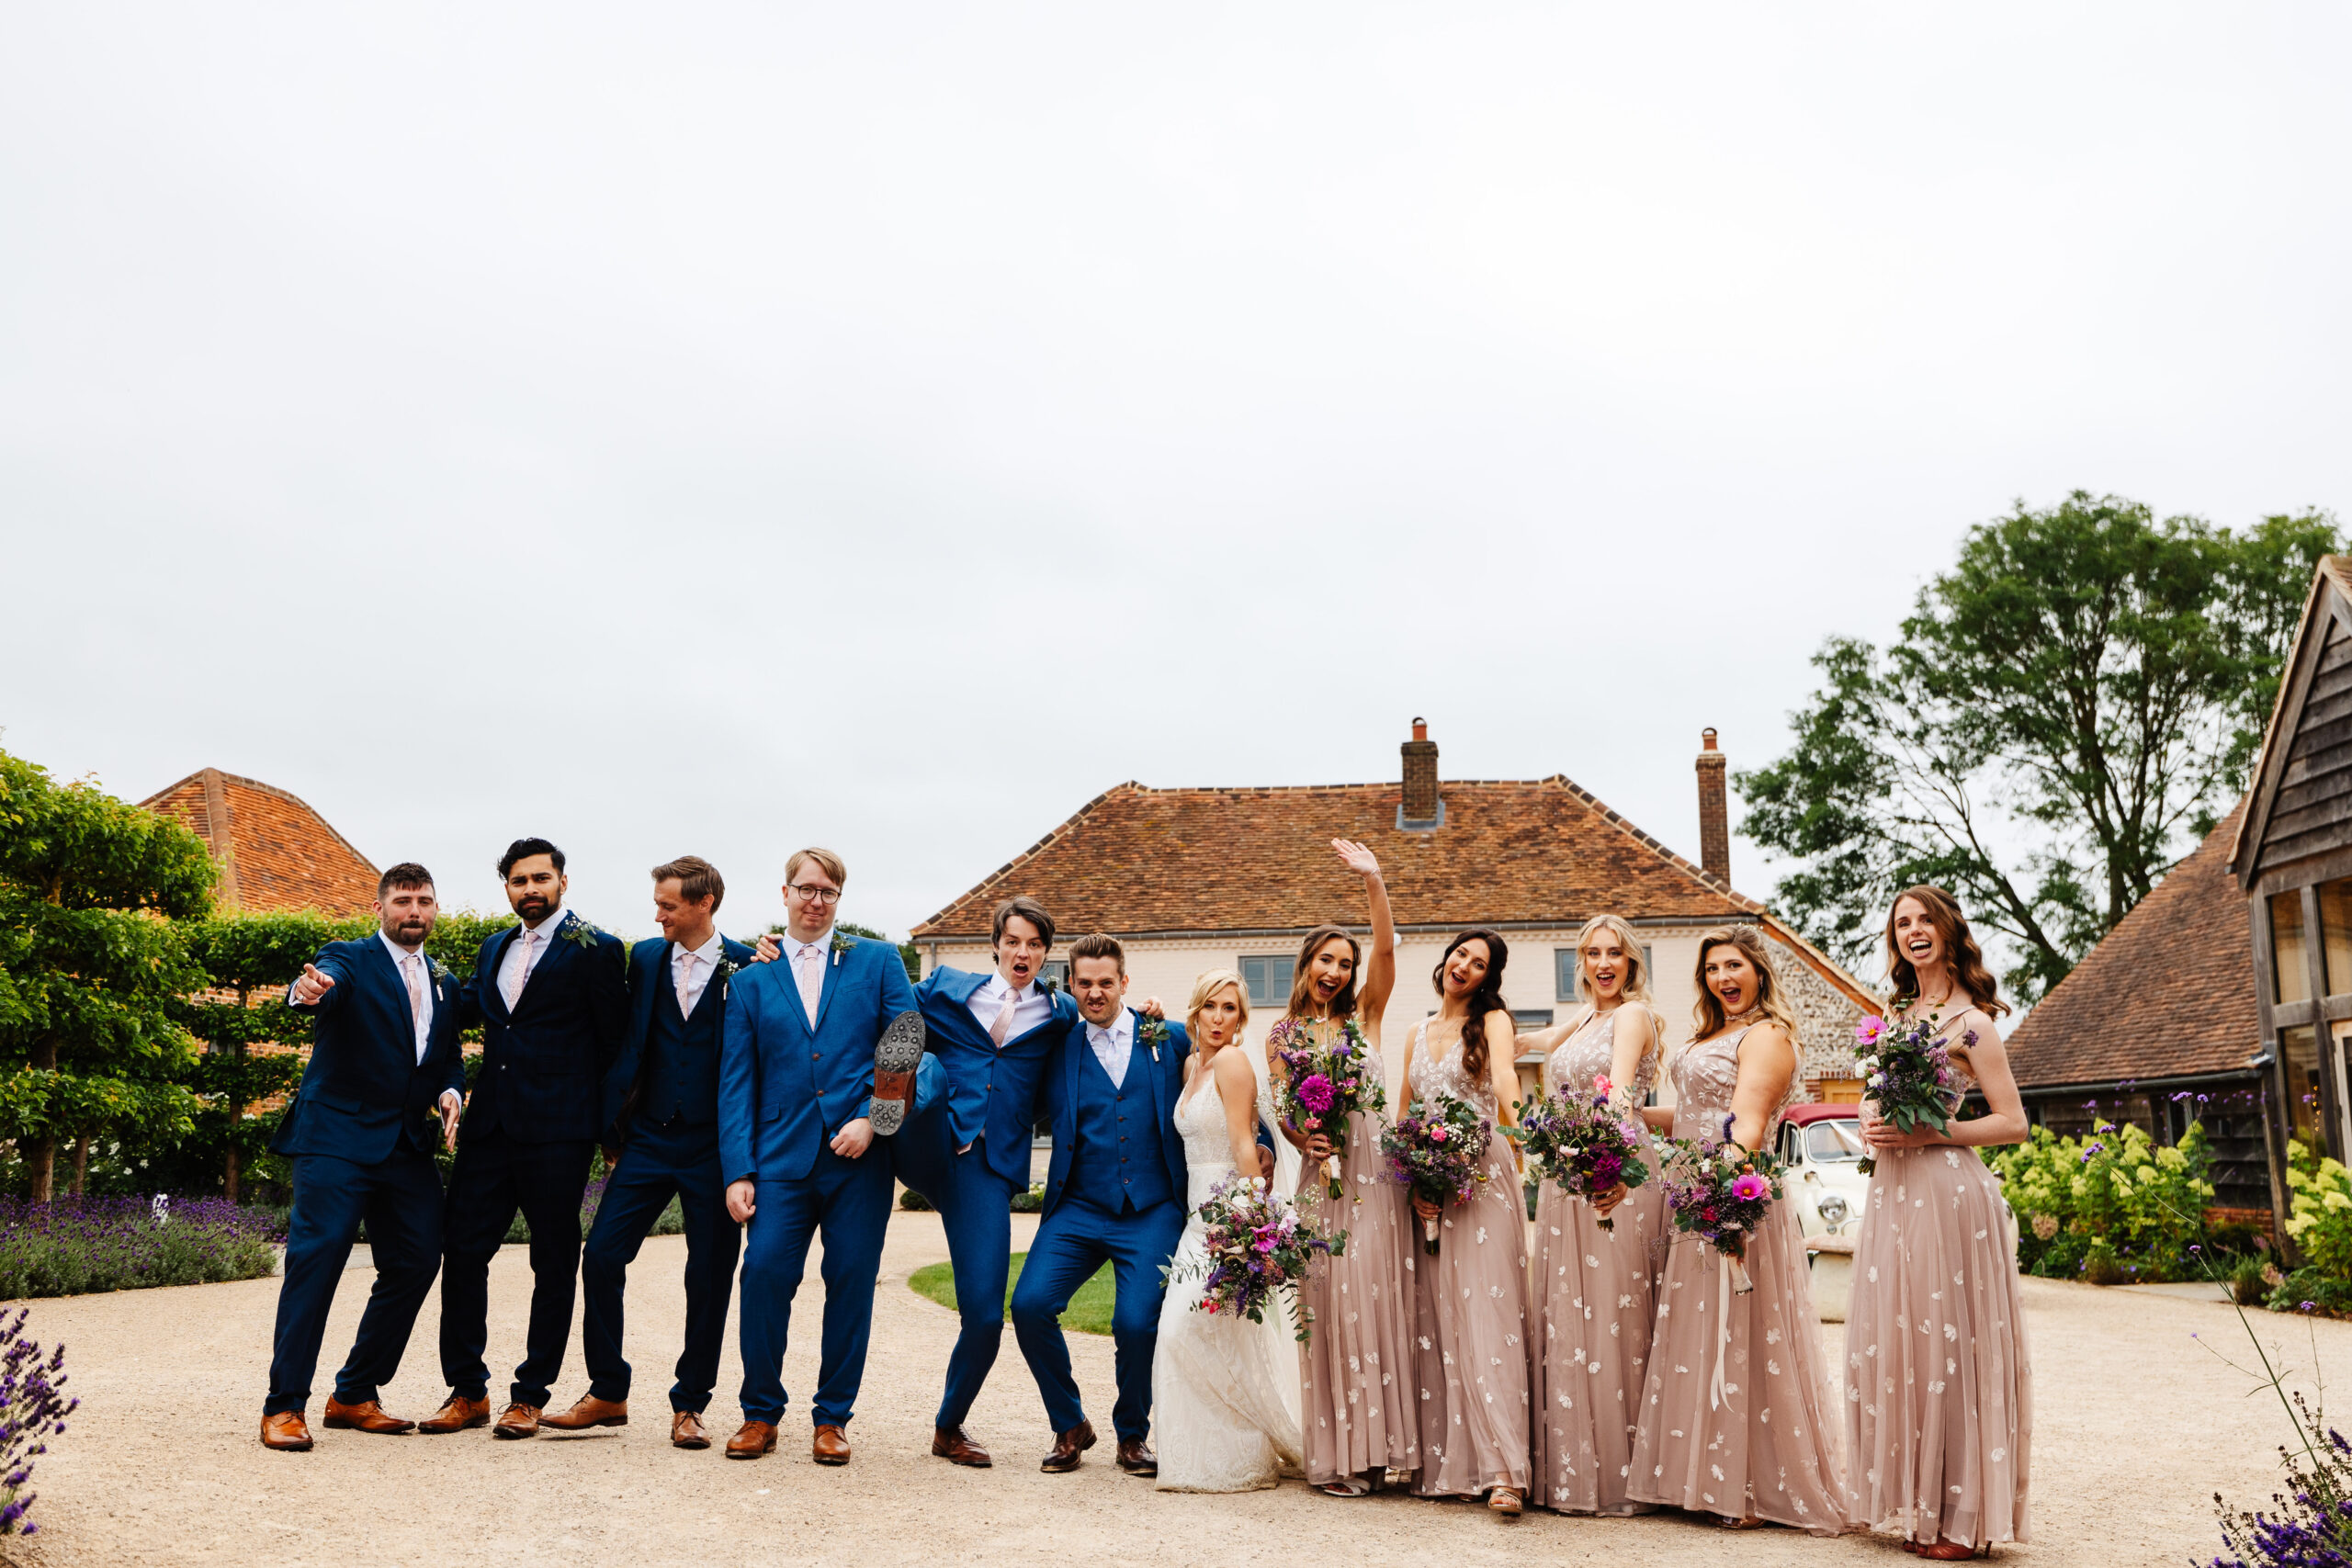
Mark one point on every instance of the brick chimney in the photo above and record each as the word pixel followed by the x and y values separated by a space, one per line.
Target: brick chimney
pixel 1714 818
pixel 1421 806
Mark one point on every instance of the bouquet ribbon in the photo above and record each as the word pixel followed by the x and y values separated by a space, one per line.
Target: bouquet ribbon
pixel 1723 1289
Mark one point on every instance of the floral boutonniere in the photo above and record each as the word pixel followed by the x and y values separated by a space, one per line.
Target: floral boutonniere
pixel 441 977
pixel 577 930
pixel 1150 1033
pixel 724 971
pixel 841 943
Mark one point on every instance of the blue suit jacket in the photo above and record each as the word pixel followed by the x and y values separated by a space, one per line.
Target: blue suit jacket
pixel 364 1083
pixel 543 1065
pixel 645 962
pixel 785 1090
pixel 1167 1078
pixel 990 1093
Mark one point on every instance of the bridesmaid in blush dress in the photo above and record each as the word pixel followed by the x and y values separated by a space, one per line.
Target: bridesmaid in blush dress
pixel 1938 1386
pixel 1737 1416
pixel 1355 1371
pixel 1470 1300
pixel 1594 1288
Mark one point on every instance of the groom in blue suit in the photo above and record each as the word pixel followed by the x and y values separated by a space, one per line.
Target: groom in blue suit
pixel 991 1036
pixel 806 1038
pixel 384 1060
pixel 1114 1193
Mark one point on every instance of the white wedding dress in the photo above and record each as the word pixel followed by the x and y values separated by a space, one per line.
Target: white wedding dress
pixel 1219 1418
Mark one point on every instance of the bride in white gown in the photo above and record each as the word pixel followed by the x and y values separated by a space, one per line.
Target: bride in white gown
pixel 1219 1417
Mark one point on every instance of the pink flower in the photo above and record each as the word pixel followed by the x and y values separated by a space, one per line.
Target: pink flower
pixel 1314 1092
pixel 1750 1187
pixel 1870 1029
pixel 1437 1133
pixel 1600 1085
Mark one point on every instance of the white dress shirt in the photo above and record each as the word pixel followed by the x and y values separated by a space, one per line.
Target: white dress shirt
pixel 690 972
pixel 1114 1046
pixel 511 971
pixel 403 961
pixel 806 960
pixel 1035 1006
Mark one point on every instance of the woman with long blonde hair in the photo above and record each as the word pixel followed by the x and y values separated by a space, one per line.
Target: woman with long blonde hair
pixel 1354 1371
pixel 1938 1385
pixel 1595 1285
pixel 1218 1409
pixel 1737 1415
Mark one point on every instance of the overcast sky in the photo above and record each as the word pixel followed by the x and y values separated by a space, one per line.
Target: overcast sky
pixel 715 428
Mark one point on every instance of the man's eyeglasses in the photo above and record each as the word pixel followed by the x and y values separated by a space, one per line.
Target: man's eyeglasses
pixel 816 895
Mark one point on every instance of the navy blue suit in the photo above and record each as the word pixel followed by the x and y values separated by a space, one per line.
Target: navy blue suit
pixel 1114 1193
pixel 987 1112
pixel 362 1149
pixel 529 1134
pixel 785 1090
pixel 661 1108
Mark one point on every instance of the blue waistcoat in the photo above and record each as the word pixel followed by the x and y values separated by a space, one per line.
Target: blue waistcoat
pixel 681 1071
pixel 1121 1160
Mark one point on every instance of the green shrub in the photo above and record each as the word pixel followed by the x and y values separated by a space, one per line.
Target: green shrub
pixel 914 1203
pixel 2111 1208
pixel 1031 1200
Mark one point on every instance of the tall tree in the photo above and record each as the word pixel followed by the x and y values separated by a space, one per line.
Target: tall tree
pixel 92 975
pixel 2064 710
pixel 250 959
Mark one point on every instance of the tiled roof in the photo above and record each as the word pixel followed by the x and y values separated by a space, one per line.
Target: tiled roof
pixel 1136 860
pixel 2168 993
pixel 275 852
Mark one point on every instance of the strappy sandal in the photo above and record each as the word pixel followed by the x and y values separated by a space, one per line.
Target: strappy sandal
pixel 1346 1486
pixel 1503 1503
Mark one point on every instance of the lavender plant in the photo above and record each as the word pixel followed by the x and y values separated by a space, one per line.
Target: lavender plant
pixel 74 1246
pixel 33 1408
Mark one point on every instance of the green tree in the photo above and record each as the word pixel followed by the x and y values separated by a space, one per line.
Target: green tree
pixel 2080 695
pixel 92 975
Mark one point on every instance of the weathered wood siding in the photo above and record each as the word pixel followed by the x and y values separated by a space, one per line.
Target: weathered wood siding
pixel 2311 814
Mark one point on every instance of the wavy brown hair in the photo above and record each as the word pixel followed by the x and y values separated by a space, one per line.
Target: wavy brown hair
pixel 1486 998
pixel 1302 984
pixel 1707 1015
pixel 1960 952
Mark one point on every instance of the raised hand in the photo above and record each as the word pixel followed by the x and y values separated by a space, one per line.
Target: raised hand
pixel 312 984
pixel 768 949
pixel 1359 860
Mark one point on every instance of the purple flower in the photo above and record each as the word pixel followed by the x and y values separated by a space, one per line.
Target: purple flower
pixel 1314 1092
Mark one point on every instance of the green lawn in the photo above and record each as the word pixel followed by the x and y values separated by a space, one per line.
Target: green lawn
pixel 1090 1310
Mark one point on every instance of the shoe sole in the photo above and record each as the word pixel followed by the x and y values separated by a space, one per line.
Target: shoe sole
pixel 895 1056
pixel 746 1453
pixel 512 1435
pixel 584 1426
pixel 288 1448
pixel 968 1463
pixel 445 1431
pixel 824 1458
pixel 337 1424
pixel 695 1443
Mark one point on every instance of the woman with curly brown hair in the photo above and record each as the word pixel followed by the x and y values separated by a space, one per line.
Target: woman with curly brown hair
pixel 1939 1387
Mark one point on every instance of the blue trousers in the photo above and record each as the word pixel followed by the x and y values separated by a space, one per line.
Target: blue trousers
pixel 659 1163
pixel 496 1177
pixel 1074 1240
pixel 401 1201
pixel 974 1208
pixel 849 1202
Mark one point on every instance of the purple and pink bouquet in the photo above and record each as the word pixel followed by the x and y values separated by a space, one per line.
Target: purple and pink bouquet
pixel 1323 1086
pixel 1437 1149
pixel 1258 1244
pixel 1579 1141
pixel 1907 1074
pixel 1719 1193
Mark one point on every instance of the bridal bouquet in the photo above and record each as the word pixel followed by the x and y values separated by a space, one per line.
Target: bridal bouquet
pixel 1577 1141
pixel 1256 1244
pixel 1719 1193
pixel 1907 1074
pixel 1436 1149
pixel 1323 1086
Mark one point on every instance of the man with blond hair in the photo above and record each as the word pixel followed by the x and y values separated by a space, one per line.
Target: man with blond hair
pixel 806 1038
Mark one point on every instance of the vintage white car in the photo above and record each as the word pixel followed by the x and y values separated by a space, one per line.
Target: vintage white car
pixel 1822 1145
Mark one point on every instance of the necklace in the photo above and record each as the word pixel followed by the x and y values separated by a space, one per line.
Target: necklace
pixel 1741 1019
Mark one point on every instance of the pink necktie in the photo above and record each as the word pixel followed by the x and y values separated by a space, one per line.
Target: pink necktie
pixel 414 967
pixel 1001 1030
pixel 807 969
pixel 523 976
pixel 686 999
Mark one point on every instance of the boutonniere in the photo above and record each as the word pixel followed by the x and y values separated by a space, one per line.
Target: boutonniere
pixel 722 972
pixel 841 944
pixel 1150 1033
pixel 582 931
pixel 441 977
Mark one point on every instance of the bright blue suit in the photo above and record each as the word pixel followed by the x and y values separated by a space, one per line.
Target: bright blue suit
pixel 1115 1193
pixel 785 1090
pixel 362 1150
pixel 988 1108
pixel 662 1107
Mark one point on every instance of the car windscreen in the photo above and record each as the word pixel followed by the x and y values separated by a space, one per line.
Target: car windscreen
pixel 1834 1139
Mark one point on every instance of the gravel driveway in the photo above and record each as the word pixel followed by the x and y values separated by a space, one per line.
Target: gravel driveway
pixel 2135 1429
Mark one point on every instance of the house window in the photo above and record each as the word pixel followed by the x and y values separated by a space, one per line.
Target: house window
pixel 1531 1018
pixel 1563 972
pixel 1269 980
pixel 2290 960
pixel 2299 1048
pixel 1055 975
pixel 2335 933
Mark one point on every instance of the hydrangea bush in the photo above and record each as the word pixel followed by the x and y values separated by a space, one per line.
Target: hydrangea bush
pixel 2112 1207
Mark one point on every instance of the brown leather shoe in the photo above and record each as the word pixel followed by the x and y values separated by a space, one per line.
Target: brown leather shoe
pixel 455 1416
pixel 1068 1445
pixel 589 1411
pixel 831 1447
pixel 517 1420
pixel 895 1056
pixel 286 1432
pixel 755 1437
pixel 1136 1459
pixel 686 1431
pixel 367 1416
pixel 950 1444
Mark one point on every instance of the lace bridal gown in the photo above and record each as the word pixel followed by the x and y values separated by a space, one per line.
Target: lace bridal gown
pixel 1219 1416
